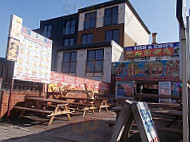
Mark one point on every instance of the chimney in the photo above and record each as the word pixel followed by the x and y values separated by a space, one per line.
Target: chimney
pixel 154 38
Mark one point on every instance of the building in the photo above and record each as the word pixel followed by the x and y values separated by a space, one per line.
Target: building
pixel 97 39
pixel 148 69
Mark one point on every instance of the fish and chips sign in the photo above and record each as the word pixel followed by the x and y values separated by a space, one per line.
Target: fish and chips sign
pixel 30 51
pixel 153 50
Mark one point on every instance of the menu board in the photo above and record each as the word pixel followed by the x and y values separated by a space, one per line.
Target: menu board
pixel 14 38
pixel 164 49
pixel 34 57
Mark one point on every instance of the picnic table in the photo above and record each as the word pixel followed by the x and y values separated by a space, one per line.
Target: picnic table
pixel 87 104
pixel 51 107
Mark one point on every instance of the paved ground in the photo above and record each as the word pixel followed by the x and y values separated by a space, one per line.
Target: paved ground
pixel 92 128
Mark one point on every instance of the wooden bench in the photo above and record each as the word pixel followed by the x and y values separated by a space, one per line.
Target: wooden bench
pixel 60 107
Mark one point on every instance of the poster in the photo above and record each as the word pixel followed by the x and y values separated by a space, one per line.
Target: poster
pixel 165 70
pixel 34 57
pixel 61 82
pixel 14 38
pixel 164 49
pixel 165 89
pixel 147 121
pixel 30 51
pixel 124 89
pixel 177 88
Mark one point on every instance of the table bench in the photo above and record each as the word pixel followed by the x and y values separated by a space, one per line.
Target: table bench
pixel 42 105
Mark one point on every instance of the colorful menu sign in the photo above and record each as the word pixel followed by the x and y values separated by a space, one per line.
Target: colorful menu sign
pixel 165 70
pixel 164 49
pixel 14 38
pixel 62 82
pixel 31 53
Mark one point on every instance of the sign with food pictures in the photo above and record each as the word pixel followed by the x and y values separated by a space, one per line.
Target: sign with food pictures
pixel 62 82
pixel 34 57
pixel 164 49
pixel 14 38
pixel 165 70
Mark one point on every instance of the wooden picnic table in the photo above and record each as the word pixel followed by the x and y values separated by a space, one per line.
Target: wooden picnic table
pixel 89 103
pixel 43 105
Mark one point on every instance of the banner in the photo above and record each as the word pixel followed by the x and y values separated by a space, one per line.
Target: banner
pixel 30 51
pixel 14 38
pixel 61 82
pixel 165 70
pixel 164 49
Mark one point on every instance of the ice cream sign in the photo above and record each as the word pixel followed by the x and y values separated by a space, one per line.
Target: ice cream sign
pixel 164 49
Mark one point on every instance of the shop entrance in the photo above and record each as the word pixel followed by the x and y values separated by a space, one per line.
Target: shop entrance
pixel 148 88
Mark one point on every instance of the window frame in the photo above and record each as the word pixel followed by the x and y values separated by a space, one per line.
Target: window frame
pixel 87 38
pixel 69 62
pixel 112 35
pixel 48 32
pixel 69 41
pixel 72 27
pixel 91 20
pixel 94 61
pixel 111 16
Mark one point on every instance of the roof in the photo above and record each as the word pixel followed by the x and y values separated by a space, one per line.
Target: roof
pixel 114 2
pixel 61 17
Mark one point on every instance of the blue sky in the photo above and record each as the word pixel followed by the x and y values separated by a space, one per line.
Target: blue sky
pixel 158 15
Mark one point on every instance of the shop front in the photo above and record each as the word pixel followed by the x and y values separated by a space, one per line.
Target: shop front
pixel 147 77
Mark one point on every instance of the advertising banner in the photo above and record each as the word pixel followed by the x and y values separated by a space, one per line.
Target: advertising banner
pixel 34 59
pixel 146 119
pixel 30 51
pixel 61 82
pixel 164 49
pixel 165 70
pixel 165 89
pixel 14 38
pixel 124 89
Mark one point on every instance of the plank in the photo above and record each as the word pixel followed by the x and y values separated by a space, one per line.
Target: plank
pixel 46 100
pixel 33 109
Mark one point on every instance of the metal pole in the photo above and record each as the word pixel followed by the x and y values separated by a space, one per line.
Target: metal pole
pixel 184 69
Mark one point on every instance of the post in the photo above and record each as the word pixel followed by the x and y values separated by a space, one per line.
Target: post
pixel 10 97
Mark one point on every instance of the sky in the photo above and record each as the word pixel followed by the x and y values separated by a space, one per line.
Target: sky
pixel 158 15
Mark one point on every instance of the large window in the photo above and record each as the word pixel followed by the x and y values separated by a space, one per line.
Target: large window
pixel 69 42
pixel 94 62
pixel 69 27
pixel 87 38
pixel 112 35
pixel 111 16
pixel 47 30
pixel 90 20
pixel 69 62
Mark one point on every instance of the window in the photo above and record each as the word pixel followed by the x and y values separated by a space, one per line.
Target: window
pixel 90 20
pixel 69 62
pixel 87 38
pixel 94 62
pixel 47 30
pixel 69 27
pixel 111 16
pixel 112 35
pixel 69 42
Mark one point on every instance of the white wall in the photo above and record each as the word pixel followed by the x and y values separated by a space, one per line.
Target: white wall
pixel 113 53
pixel 134 29
pixel 117 52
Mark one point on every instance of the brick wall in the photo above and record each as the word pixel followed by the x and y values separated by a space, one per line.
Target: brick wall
pixel 16 97
pixel 99 33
